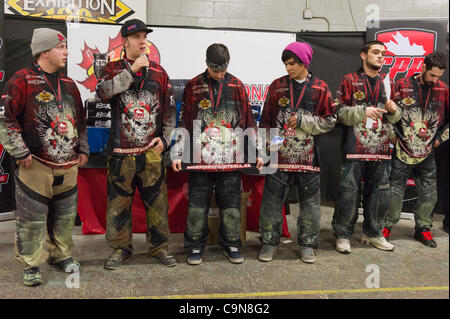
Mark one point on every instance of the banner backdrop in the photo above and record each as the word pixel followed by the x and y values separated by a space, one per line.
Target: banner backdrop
pixel 255 56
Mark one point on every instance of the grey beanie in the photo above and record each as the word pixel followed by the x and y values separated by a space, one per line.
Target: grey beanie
pixel 45 39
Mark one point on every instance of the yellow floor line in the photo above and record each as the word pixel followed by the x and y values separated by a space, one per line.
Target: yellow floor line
pixel 291 293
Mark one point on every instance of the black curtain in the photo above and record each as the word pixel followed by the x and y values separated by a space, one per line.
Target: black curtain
pixel 335 54
pixel 18 33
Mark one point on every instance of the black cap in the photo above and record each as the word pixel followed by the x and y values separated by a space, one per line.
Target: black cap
pixel 133 25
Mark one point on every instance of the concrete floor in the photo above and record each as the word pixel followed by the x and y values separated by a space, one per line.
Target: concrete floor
pixel 411 271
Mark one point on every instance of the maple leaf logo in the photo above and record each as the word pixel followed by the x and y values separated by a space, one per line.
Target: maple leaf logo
pixel 402 46
pixel 115 52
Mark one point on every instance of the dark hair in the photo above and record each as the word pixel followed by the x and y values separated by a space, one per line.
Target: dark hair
pixel 436 59
pixel 287 55
pixel 369 44
pixel 217 54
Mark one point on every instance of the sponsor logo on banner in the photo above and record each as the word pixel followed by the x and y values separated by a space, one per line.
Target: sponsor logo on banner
pixel 104 11
pixel 115 52
pixel 4 177
pixel 256 93
pixel 406 49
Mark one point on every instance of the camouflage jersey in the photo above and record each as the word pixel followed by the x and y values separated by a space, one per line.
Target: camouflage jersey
pixel 43 119
pixel 364 139
pixel 311 101
pixel 222 113
pixel 142 106
pixel 425 118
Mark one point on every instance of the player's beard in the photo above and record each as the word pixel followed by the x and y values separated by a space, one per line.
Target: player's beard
pixel 373 66
pixel 427 84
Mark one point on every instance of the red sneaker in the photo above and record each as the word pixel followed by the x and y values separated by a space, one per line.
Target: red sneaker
pixel 426 238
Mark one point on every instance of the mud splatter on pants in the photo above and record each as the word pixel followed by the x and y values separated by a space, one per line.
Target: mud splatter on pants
pixel 424 174
pixel 276 189
pixel 147 173
pixel 227 188
pixel 46 204
pixel 375 197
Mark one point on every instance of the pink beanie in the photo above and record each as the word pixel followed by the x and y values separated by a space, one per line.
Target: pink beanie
pixel 303 50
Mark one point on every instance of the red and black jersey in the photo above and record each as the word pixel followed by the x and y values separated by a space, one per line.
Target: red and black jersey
pixel 363 139
pixel 142 106
pixel 222 113
pixel 38 118
pixel 312 102
pixel 425 118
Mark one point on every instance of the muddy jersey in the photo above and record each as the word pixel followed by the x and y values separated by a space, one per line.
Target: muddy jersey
pixel 46 120
pixel 311 101
pixel 142 106
pixel 363 138
pixel 216 116
pixel 425 118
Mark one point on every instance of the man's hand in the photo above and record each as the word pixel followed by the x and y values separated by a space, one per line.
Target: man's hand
pixel 26 162
pixel 292 121
pixel 374 113
pixel 391 107
pixel 259 163
pixel 176 165
pixel 82 159
pixel 157 145
pixel 436 143
pixel 140 63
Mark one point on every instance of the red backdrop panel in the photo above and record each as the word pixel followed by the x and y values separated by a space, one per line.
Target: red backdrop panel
pixel 92 198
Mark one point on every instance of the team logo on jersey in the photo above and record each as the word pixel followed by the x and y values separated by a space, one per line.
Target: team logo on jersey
pixel 139 114
pixel 408 101
pixel 284 101
pixel 45 97
pixel 62 128
pixel 204 104
pixel 359 95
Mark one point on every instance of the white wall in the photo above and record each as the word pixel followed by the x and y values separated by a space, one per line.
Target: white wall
pixel 286 15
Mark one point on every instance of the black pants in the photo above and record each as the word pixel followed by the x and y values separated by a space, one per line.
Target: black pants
pixel 227 187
